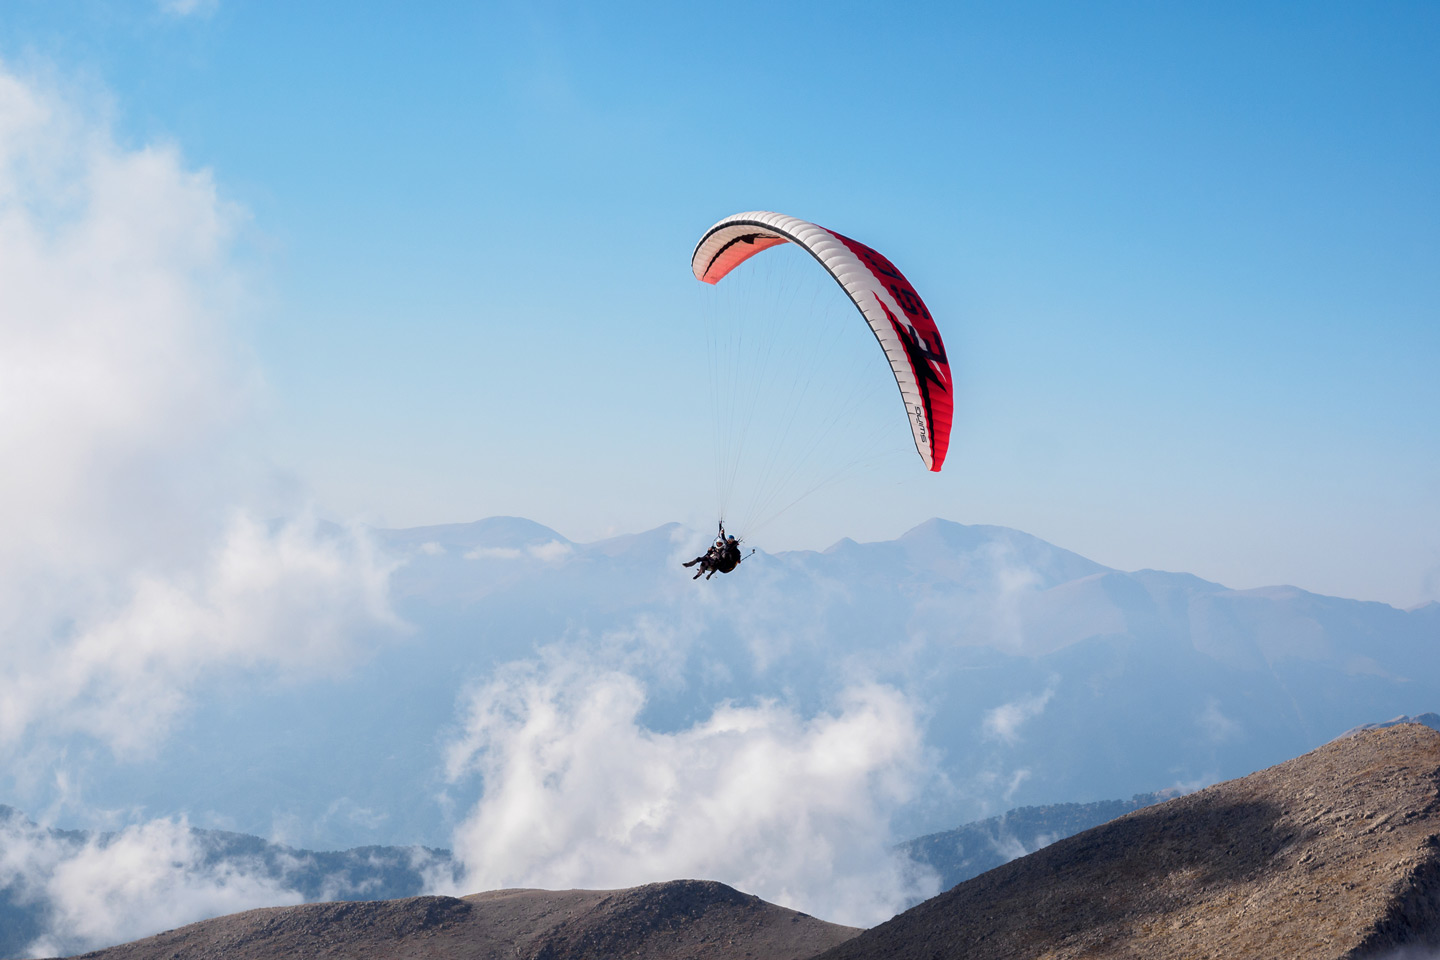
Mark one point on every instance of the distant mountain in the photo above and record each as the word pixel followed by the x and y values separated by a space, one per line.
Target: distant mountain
pixel 973 848
pixel 1431 720
pixel 364 873
pixel 494 533
pixel 1043 677
pixel 679 920
pixel 1331 855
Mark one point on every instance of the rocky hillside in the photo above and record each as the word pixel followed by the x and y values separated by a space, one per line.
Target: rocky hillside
pixel 678 920
pixel 1335 854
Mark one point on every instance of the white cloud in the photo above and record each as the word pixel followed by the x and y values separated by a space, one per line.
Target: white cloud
pixel 1008 846
pixel 102 890
pixel 551 551
pixel 1216 726
pixel 286 600
pixel 1004 722
pixel 189 8
pixel 133 562
pixel 89 891
pixel 1016 582
pixel 144 879
pixel 493 553
pixel 578 793
pixel 1017 780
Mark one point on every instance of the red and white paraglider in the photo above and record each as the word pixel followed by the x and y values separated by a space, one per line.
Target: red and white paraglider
pixel 896 314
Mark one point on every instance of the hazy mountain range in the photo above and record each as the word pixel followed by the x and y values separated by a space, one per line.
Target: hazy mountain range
pixel 971 849
pixel 1040 676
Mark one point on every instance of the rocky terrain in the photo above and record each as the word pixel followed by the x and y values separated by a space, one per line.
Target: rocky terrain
pixel 1335 854
pixel 661 921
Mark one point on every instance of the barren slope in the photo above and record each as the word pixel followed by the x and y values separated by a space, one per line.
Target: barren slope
pixel 1334 854
pixel 661 921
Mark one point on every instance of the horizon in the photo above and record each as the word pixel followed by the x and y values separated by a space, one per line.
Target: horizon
pixel 845 538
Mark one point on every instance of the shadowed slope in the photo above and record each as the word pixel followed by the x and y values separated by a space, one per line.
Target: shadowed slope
pixel 678 920
pixel 1333 854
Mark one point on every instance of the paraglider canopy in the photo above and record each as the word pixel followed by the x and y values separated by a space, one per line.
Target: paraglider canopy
pixel 894 311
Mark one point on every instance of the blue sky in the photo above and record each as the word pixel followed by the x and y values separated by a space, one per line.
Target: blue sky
pixel 1186 258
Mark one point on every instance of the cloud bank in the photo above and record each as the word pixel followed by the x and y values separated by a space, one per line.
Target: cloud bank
pixel 134 562
pixel 1004 722
pixel 577 792
pixel 111 889
pixel 63 892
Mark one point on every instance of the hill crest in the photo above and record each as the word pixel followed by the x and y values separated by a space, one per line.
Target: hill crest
pixel 676 920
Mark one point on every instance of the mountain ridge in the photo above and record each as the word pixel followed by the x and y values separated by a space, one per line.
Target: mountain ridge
pixel 1115 683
